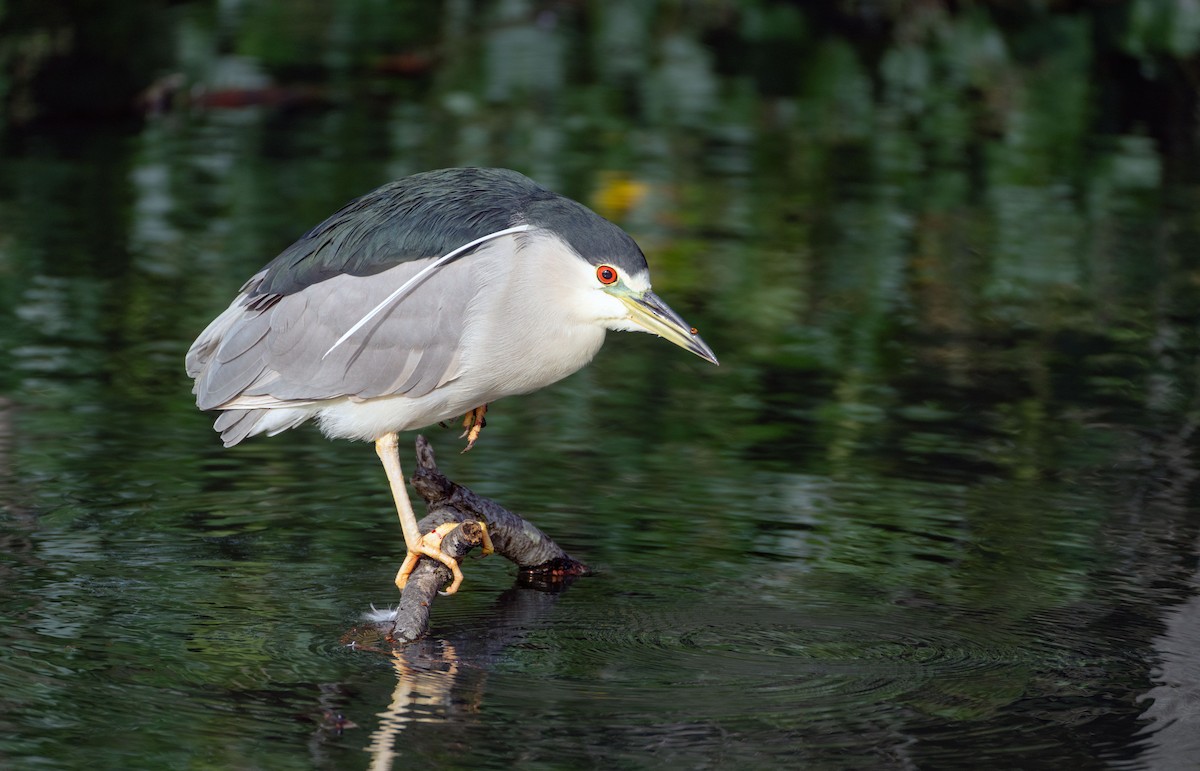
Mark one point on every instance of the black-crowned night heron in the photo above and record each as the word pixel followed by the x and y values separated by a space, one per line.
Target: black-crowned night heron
pixel 425 299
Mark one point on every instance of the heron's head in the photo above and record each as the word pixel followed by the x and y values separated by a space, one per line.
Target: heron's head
pixel 612 269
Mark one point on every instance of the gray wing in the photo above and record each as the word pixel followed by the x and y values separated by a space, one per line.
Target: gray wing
pixel 270 354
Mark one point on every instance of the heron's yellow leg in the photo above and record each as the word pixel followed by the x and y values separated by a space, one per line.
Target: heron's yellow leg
pixel 473 423
pixel 430 545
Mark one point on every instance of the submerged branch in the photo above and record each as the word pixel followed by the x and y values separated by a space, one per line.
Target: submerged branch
pixel 542 563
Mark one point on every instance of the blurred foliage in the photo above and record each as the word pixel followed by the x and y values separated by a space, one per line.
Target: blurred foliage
pixel 947 253
pixel 906 207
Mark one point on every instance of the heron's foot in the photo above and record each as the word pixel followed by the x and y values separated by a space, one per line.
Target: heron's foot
pixel 473 423
pixel 487 547
pixel 430 546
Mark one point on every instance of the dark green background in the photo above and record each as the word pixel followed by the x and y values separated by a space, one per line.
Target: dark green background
pixel 936 509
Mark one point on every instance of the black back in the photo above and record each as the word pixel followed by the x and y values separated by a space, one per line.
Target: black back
pixel 430 214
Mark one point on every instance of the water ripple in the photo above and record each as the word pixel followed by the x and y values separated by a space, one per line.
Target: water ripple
pixel 725 661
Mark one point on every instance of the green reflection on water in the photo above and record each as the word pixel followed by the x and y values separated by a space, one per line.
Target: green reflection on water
pixel 934 504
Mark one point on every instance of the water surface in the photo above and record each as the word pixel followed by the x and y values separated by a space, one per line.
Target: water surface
pixel 936 508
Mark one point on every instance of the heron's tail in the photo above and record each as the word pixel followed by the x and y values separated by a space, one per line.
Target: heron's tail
pixel 235 425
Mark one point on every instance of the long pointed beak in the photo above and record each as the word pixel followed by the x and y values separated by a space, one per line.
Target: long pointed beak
pixel 650 312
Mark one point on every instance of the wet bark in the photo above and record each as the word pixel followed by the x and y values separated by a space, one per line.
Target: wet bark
pixel 541 563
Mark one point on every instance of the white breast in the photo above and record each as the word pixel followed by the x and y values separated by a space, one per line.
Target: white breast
pixel 530 323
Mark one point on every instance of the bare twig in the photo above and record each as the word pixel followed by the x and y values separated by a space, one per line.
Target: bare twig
pixel 542 562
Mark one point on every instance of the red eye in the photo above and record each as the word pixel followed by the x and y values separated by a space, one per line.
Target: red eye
pixel 606 274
